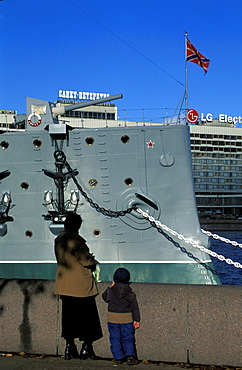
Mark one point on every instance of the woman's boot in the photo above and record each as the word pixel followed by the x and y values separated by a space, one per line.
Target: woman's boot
pixel 71 351
pixel 87 352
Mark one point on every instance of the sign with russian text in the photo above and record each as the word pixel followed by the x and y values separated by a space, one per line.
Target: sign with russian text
pixel 81 95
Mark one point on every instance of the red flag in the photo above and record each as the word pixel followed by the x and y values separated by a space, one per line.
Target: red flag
pixel 193 55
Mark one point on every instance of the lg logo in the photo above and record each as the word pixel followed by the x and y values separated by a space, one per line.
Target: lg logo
pixel 192 116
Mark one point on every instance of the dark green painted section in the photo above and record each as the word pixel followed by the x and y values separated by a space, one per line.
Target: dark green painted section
pixel 173 273
pixel 44 271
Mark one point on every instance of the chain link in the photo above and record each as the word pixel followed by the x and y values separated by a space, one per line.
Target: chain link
pixel 225 240
pixel 158 224
pixel 60 157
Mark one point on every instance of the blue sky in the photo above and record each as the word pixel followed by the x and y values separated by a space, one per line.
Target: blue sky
pixel 134 47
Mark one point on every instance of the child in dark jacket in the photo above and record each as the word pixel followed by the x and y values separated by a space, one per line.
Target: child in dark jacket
pixel 123 317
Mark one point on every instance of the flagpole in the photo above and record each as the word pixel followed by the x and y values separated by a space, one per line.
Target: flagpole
pixel 186 82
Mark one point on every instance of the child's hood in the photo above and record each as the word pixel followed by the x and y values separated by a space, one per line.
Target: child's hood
pixel 121 290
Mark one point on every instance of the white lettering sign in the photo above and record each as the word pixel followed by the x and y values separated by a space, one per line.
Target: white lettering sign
pixel 81 95
pixel 223 118
pixel 207 118
pixel 229 119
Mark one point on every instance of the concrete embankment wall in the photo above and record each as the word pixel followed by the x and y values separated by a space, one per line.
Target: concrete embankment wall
pixel 180 323
pixel 222 225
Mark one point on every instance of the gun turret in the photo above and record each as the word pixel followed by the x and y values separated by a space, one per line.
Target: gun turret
pixel 42 114
pixel 60 110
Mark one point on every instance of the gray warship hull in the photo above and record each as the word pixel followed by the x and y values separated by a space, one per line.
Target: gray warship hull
pixel 116 169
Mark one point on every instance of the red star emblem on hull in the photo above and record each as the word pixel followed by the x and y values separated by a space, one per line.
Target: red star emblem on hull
pixel 150 144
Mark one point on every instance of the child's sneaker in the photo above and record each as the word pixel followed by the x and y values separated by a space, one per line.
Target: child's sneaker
pixel 132 361
pixel 117 362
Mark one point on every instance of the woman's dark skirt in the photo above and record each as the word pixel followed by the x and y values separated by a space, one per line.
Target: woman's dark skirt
pixel 80 319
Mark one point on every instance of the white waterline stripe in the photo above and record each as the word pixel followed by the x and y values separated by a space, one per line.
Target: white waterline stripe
pixel 160 262
pixel 27 262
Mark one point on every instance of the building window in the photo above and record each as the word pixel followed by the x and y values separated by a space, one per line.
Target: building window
pixel 90 115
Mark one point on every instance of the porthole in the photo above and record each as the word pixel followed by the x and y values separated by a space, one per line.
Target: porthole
pixel 93 182
pixel 24 185
pixel 4 145
pixel 89 140
pixel 28 233
pixel 97 232
pixel 125 139
pixel 128 181
pixel 37 143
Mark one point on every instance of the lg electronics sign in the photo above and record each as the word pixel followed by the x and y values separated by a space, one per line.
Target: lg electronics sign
pixel 193 117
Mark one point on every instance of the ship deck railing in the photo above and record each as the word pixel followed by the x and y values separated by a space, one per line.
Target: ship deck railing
pixel 102 123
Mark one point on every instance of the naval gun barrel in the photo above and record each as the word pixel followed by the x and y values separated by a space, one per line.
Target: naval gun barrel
pixel 59 111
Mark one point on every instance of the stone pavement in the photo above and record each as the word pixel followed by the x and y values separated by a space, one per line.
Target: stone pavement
pixel 33 362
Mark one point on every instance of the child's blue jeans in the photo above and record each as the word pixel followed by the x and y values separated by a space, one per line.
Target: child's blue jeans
pixel 122 340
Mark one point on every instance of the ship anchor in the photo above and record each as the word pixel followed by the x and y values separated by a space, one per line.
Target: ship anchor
pixel 57 209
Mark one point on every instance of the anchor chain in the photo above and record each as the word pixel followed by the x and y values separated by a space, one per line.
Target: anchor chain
pixel 157 224
pixel 60 157
pixel 225 240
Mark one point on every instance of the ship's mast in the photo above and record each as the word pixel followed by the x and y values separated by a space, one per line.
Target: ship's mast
pixel 186 78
